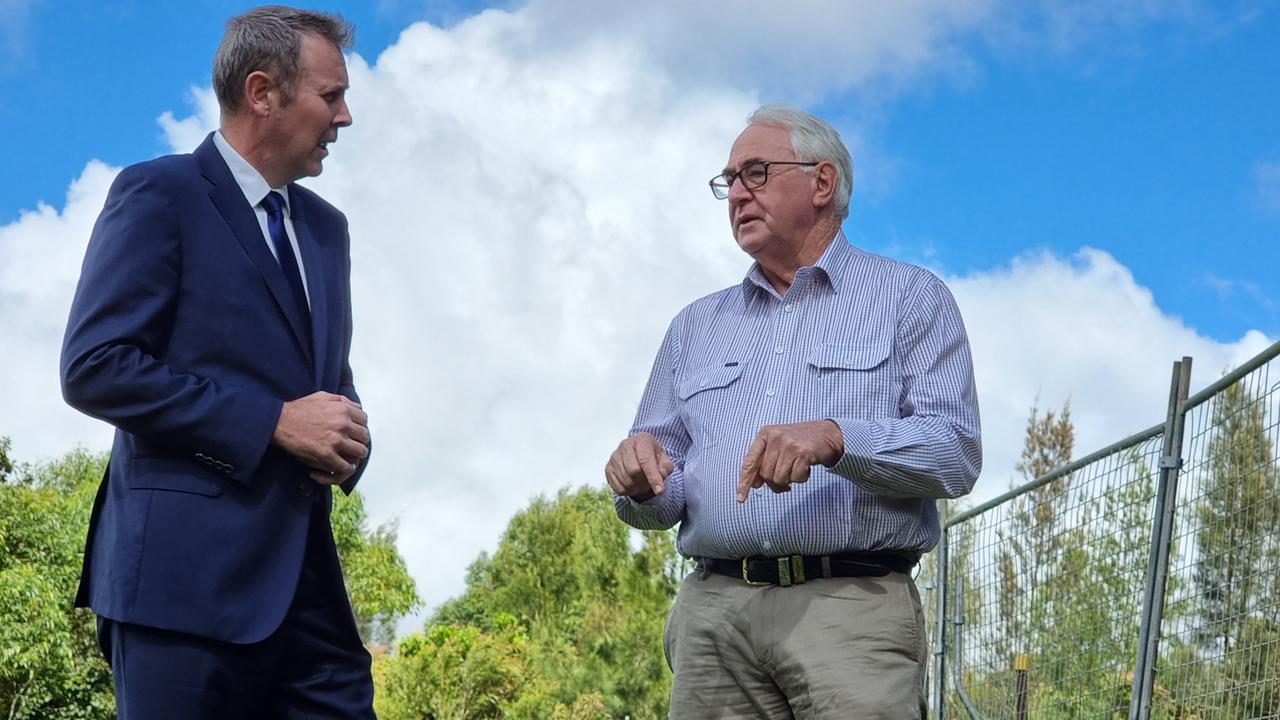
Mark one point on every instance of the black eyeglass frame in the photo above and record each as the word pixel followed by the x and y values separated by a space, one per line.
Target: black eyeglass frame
pixel 725 180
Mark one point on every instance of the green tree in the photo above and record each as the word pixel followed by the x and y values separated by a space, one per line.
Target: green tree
pixel 1067 575
pixel 1238 540
pixel 564 620
pixel 50 665
pixel 377 580
pixel 1033 549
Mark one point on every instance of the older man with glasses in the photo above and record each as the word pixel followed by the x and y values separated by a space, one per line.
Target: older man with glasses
pixel 839 380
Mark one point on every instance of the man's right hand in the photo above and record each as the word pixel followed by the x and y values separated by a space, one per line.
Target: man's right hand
pixel 328 433
pixel 638 467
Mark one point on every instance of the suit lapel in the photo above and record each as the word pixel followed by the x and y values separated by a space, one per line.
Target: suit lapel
pixel 313 261
pixel 240 217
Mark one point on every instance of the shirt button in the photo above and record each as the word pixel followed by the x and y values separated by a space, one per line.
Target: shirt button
pixel 777 350
pixel 766 545
pixel 786 308
pixel 702 383
pixel 769 392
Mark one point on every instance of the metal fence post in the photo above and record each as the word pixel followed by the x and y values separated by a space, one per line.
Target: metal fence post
pixel 1021 666
pixel 939 642
pixel 1158 561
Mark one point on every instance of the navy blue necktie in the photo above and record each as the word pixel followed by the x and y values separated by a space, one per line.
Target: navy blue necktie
pixel 273 203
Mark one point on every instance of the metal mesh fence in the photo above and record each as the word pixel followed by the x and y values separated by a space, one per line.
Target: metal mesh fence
pixel 1044 587
pixel 1045 591
pixel 1220 637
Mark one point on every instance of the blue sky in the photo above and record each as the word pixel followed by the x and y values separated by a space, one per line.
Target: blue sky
pixel 1098 181
pixel 1148 140
pixel 88 80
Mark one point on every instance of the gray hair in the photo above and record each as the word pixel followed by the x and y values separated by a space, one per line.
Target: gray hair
pixel 269 39
pixel 813 140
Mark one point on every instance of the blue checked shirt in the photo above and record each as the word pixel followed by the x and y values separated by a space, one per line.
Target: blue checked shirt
pixel 874 344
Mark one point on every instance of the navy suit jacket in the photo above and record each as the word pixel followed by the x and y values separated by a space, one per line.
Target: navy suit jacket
pixel 184 335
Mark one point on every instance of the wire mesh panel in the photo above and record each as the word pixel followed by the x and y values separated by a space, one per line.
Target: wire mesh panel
pixel 1044 591
pixel 1219 654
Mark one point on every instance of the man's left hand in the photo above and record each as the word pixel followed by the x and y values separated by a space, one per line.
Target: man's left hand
pixel 781 455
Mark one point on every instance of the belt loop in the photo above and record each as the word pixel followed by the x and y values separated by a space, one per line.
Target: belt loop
pixel 826 567
pixel 704 569
pixel 784 571
pixel 797 569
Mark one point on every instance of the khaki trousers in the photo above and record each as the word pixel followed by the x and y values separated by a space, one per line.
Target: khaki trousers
pixel 830 648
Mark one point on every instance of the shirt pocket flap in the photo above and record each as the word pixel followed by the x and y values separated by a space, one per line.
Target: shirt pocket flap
pixel 173 474
pixel 708 379
pixel 834 356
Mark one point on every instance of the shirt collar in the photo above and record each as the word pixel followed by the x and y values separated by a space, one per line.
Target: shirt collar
pixel 835 259
pixel 251 182
pixel 831 266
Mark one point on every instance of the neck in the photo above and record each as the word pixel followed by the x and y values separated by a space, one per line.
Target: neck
pixel 780 269
pixel 244 136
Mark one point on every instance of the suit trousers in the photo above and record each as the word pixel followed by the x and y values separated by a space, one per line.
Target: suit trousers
pixel 829 648
pixel 313 666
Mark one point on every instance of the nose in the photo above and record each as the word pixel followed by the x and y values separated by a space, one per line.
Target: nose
pixel 738 192
pixel 343 117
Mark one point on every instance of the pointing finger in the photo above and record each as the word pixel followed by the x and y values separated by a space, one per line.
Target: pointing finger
pixel 750 466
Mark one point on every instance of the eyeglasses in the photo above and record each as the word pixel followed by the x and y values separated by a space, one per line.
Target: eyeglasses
pixel 753 175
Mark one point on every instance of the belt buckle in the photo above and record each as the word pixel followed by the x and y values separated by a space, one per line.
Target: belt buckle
pixel 746 578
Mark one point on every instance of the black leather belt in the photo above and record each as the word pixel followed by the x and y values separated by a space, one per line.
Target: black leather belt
pixel 796 569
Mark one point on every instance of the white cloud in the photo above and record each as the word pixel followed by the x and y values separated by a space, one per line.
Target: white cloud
pixel 1078 329
pixel 528 206
pixel 811 48
pixel 184 135
pixel 1267 175
pixel 40 256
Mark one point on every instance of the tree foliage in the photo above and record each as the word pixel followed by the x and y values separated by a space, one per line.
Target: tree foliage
pixel 50 665
pixel 1065 577
pixel 1035 546
pixel 564 620
pixel 1237 576
pixel 377 580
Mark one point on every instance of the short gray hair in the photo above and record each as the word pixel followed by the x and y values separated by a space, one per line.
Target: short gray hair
pixel 269 39
pixel 813 140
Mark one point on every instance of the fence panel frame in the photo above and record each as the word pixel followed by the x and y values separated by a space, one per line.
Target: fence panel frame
pixel 1163 520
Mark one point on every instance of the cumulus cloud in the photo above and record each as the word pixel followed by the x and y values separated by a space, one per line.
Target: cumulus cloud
pixel 185 134
pixel 813 48
pixel 528 203
pixel 1079 329
pixel 40 255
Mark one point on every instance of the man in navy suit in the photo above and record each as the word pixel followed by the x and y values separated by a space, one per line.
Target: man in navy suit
pixel 212 326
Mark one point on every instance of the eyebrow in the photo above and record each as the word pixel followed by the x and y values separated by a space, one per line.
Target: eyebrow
pixel 745 163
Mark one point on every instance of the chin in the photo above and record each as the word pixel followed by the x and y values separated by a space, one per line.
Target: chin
pixel 749 245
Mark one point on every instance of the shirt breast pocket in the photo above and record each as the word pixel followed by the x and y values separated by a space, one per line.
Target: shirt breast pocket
pixel 708 403
pixel 856 380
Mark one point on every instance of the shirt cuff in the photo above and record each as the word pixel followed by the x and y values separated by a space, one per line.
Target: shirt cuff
pixel 858 449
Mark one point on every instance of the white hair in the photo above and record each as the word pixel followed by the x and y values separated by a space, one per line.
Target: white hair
pixel 813 140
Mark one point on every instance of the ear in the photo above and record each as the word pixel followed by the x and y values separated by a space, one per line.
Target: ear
pixel 258 91
pixel 825 180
